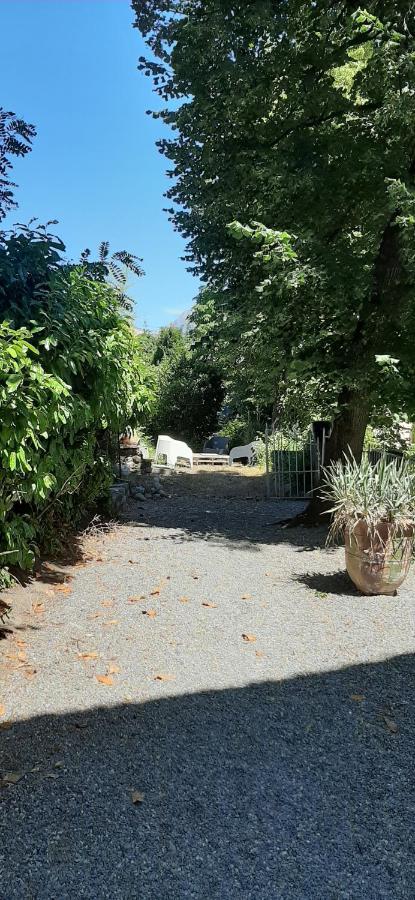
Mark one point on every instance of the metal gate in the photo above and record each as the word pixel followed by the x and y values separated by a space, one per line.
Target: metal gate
pixel 293 463
pixel 294 460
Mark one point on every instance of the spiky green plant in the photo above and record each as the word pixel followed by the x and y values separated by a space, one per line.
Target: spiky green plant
pixel 375 494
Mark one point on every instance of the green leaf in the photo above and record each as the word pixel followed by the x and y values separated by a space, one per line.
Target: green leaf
pixel 13 382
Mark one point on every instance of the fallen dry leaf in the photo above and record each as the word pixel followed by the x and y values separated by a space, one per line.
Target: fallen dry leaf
pixel 155 593
pixel 113 669
pixel 110 622
pixel 164 677
pixel 29 673
pixel 11 777
pixel 390 725
pixel 136 598
pixel 151 613
pixel 137 797
pixel 246 597
pixel 249 638
pixel 89 654
pixel 259 653
pixel 183 599
pixel 209 605
pixel 38 608
pixel 357 697
pixel 107 603
pixel 63 589
pixel 104 679
pixel 96 615
pixel 2 710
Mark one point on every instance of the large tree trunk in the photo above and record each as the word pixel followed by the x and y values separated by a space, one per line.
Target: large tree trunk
pixel 346 439
pixel 349 428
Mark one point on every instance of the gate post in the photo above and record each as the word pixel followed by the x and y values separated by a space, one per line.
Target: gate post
pixel 268 489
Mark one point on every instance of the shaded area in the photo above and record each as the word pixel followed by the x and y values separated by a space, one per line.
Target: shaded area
pixel 329 582
pixel 277 790
pixel 223 508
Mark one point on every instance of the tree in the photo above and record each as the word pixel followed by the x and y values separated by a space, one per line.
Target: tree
pixel 189 389
pixel 15 140
pixel 146 341
pixel 168 342
pixel 297 124
pixel 113 267
pixel 215 340
pixel 189 397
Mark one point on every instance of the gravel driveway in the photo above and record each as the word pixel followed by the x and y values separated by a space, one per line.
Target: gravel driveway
pixel 205 708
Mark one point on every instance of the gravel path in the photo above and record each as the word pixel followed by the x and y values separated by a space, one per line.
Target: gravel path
pixel 278 767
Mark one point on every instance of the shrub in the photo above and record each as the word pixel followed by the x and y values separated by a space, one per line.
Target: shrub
pixel 239 431
pixel 66 383
pixel 189 396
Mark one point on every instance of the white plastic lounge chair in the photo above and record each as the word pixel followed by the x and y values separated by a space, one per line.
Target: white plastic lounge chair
pixel 244 452
pixel 173 450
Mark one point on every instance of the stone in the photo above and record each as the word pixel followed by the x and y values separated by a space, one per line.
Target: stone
pixel 118 495
pixel 137 492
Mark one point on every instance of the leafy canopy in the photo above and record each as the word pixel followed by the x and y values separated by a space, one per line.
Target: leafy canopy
pixel 189 390
pixel 296 123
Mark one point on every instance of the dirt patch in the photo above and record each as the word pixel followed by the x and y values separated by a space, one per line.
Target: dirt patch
pixel 242 482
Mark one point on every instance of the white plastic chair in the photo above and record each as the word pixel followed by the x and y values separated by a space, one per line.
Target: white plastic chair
pixel 173 450
pixel 244 452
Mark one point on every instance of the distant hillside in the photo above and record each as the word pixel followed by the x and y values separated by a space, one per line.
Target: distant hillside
pixel 182 322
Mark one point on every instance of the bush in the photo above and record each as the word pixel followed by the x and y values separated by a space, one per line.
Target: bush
pixel 189 396
pixel 239 431
pixel 66 383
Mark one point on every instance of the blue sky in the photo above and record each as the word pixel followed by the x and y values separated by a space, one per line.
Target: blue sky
pixel 70 68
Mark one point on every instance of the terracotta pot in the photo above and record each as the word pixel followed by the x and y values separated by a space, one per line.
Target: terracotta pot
pixel 381 566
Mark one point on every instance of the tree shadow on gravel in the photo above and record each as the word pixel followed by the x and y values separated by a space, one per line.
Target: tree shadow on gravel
pixel 275 791
pixel 230 522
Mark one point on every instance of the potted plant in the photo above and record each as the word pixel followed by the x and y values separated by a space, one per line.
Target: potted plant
pixel 373 506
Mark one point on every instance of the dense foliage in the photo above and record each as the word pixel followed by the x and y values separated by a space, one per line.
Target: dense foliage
pixel 188 390
pixel 297 125
pixel 71 378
